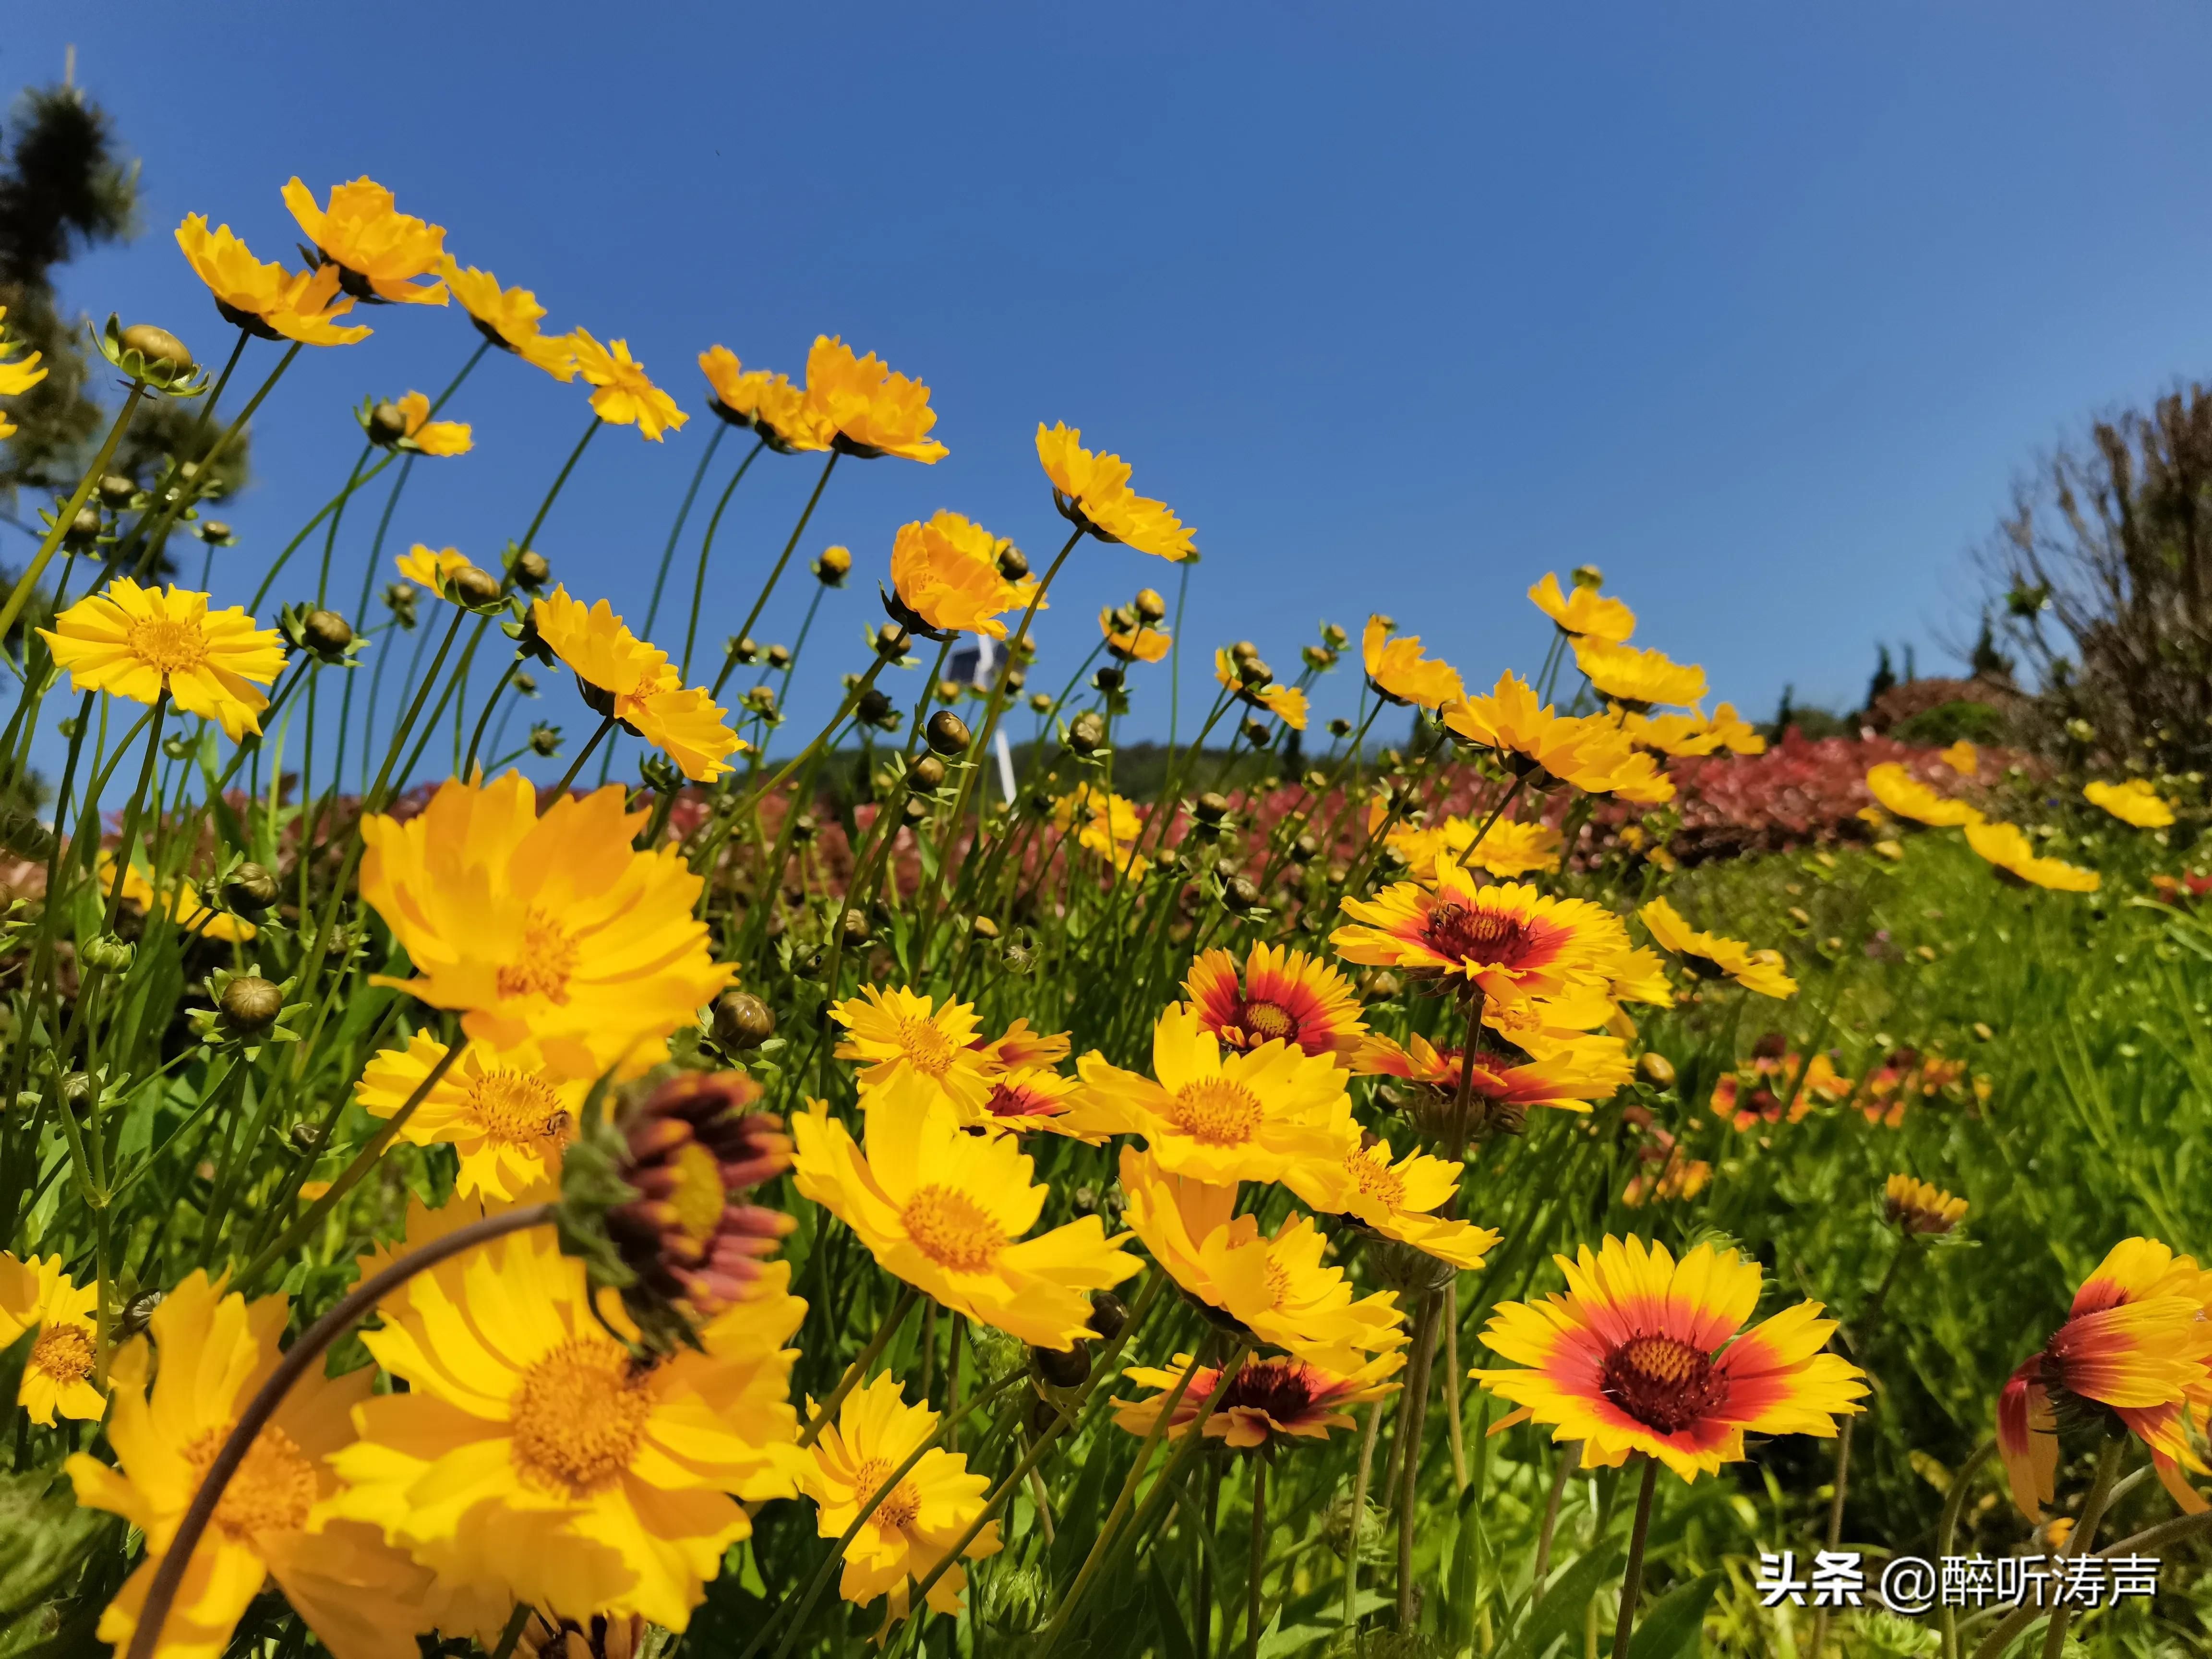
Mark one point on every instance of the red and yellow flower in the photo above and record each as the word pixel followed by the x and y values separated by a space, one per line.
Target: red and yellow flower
pixel 1569 1077
pixel 1285 996
pixel 1510 941
pixel 1264 1399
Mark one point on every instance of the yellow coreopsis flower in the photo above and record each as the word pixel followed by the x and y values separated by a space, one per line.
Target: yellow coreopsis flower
pixel 858 406
pixel 1676 736
pixel 432 566
pixel 1510 847
pixel 2133 801
pixel 1567 1077
pixel 1921 1206
pixel 2006 848
pixel 179 899
pixel 1905 795
pixel 266 300
pixel 140 642
pixel 946 1211
pixel 1584 612
pixel 898 1032
pixel 639 686
pixel 508 317
pixel 1637 679
pixel 507 1113
pixel 1225 1118
pixel 1105 823
pixel 1285 703
pixel 1399 672
pixel 16 378
pixel 552 929
pixel 536 1456
pixel 1092 493
pixel 58 1374
pixel 1961 757
pixel 1529 736
pixel 767 402
pixel 1713 957
pixel 914 1529
pixel 623 394
pixel 424 436
pixel 363 1599
pixel 1737 735
pixel 1275 1287
pixel 945 572
pixel 381 253
pixel 1143 643
pixel 1397 1200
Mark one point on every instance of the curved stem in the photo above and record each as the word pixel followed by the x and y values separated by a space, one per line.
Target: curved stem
pixel 1631 1578
pixel 676 530
pixel 567 467
pixel 2085 1531
pixel 707 546
pixel 162 1593
pixel 583 755
pixel 774 575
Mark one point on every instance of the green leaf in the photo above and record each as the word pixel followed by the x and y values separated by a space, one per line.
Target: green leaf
pixel 1561 1610
pixel 1174 1640
pixel 44 1536
pixel 1672 1628
pixel 1275 1641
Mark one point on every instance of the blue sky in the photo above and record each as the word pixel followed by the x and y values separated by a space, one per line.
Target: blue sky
pixel 1758 308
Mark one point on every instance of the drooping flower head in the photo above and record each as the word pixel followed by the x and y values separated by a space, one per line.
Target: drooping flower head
pixel 2131 801
pixel 1921 1206
pixel 506 1112
pixel 1401 674
pixel 636 684
pixel 1909 798
pixel 266 300
pixel 945 572
pixel 1239 1116
pixel 552 929
pixel 363 1599
pixel 381 253
pixel 58 1374
pixel 1285 996
pixel 915 1527
pixel 1510 940
pixel 435 568
pixel 1396 1198
pixel 1584 612
pixel 1264 1400
pixel 1569 1076
pixel 623 393
pixel 1092 493
pixel 2006 848
pixel 1638 679
pixel 1643 1354
pixel 1712 957
pixel 946 1211
pixel 2135 1351
pixel 1532 740
pixel 858 406
pixel 138 642
pixel 535 1456
pixel 508 317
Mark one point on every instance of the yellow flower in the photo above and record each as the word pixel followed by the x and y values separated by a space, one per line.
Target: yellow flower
pixel 1275 1287
pixel 181 900
pixel 138 642
pixel 1961 757
pixel 2131 802
pixel 1266 1398
pixel 1906 796
pixel 1921 1206
pixel 1638 679
pixel 362 1598
pixel 379 252
pixel 914 1529
pixel 2007 849
pixel 427 437
pixel 898 1033
pixel 1242 1116
pixel 1530 738
pixel 1509 849
pixel 16 378
pixel 508 317
pixel 945 570
pixel 59 1375
pixel 1397 1200
pixel 1398 670
pixel 547 928
pixel 1104 823
pixel 1584 612
pixel 1286 702
pixel 1145 643
pixel 1678 736
pixel 1736 734
pixel 623 395
pixel 1643 1354
pixel 641 688
pixel 266 300
pixel 767 402
pixel 946 1211
pixel 1092 493
pixel 1713 957
pixel 505 1112
pixel 1510 940
pixel 858 407
pixel 432 566
pixel 534 1456
pixel 1570 1075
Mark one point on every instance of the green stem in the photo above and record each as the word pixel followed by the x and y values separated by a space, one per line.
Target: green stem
pixel 707 546
pixel 1631 1578
pixel 27 583
pixel 774 575
pixel 892 1321
pixel 1254 1590
pixel 544 506
pixel 676 530
pixel 583 755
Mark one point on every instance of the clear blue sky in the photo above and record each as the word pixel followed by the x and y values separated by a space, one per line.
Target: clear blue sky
pixel 1758 308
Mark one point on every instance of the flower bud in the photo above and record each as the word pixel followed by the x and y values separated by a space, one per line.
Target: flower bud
pixel 779 656
pixel 157 345
pixel 107 953
pixel 1258 733
pixel 834 566
pixel 1656 1069
pixel 744 651
pixel 249 889
pixel 1149 605
pixel 474 588
pixel 983 927
pixel 925 772
pixel 305 1137
pixel 1040 703
pixel 1239 894
pixel 532 571
pixel 215 532
pixel 1209 808
pixel 83 528
pixel 545 741
pixel 1589 575
pixel 1243 651
pixel 251 1004
pixel 138 1314
pixel 1108 1315
pixel 893 643
pixel 1063 1369
pixel 1109 678
pixel 1013 563
pixel 117 491
pixel 947 733
pixel 742 1021
pixel 1086 734
pixel 1015 679
pixel 326 632
pixel 852 930
pixel 874 708
pixel 803 828
pixel 387 424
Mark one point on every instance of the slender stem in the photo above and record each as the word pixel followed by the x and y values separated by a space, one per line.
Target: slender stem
pixel 1568 1455
pixel 162 1593
pixel 676 530
pixel 1859 1343
pixel 768 587
pixel 1631 1578
pixel 1412 1416
pixel 544 506
pixel 583 755
pixel 475 738
pixel 512 1633
pixel 27 583
pixel 889 1329
pixel 2085 1534
pixel 1363 1470
pixel 1253 1594
pixel 707 546
pixel 1946 1530
pixel 1458 1430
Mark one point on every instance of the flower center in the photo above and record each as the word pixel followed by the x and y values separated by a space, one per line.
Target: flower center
pixel 1270 1021
pixel 1663 1382
pixel 547 958
pixel 518 1108
pixel 63 1352
pixel 1007 1101
pixel 1217 1112
pixel 952 1229
pixel 168 643
pixel 928 1049
pixel 896 1512
pixel 1282 1389
pixel 272 1491
pixel 578 1417
pixel 699 1196
pixel 1376 1179
pixel 1466 934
